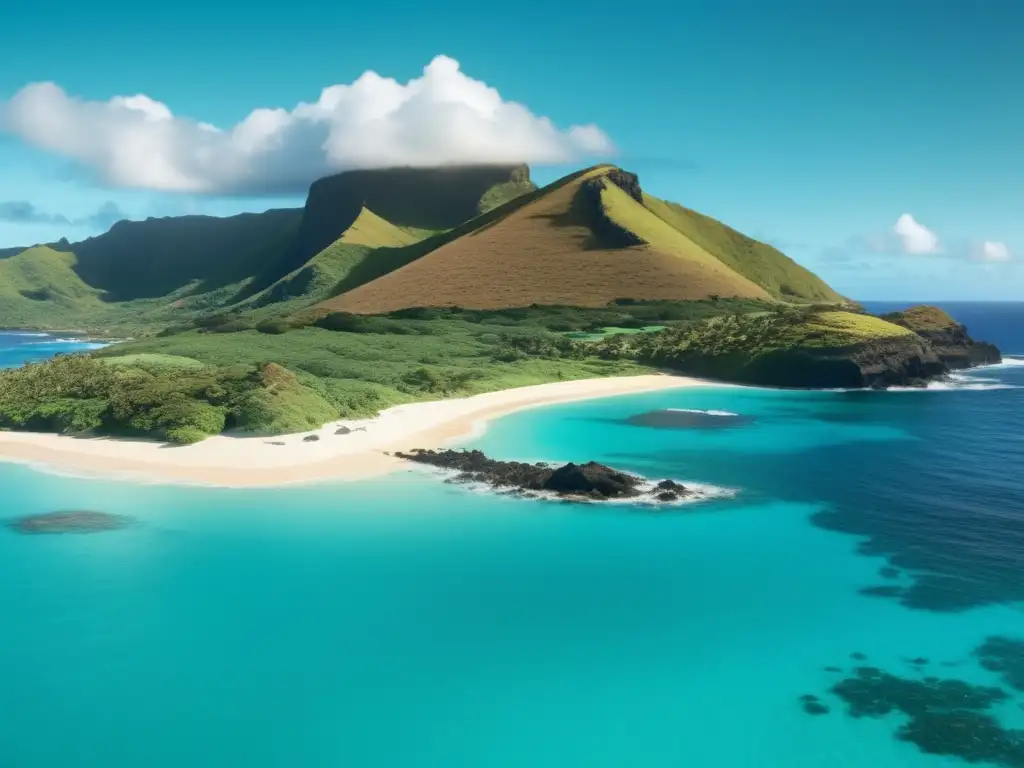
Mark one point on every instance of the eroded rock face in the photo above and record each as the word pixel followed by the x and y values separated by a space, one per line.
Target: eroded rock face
pixel 69 522
pixel 612 234
pixel 592 481
pixel 628 183
pixel 903 361
pixel 947 338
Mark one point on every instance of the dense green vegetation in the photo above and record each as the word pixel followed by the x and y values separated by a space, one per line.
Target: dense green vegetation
pixel 236 324
pixel 223 374
pixel 757 333
pixel 180 404
pixel 804 346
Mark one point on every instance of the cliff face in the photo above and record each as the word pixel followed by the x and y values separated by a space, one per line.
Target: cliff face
pixel 424 198
pixel 935 345
pixel 948 338
pixel 958 350
pixel 420 198
pixel 903 361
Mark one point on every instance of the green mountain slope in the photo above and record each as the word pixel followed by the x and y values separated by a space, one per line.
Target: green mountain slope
pixel 41 280
pixel 427 200
pixel 156 257
pixel 376 241
pixel 369 248
pixel 171 270
pixel 586 240
pixel 778 274
pixel 767 266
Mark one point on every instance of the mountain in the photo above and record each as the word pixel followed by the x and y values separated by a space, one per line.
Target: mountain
pixel 165 270
pixel 375 241
pixel 420 201
pixel 587 240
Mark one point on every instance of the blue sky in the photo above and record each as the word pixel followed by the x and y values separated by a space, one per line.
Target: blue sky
pixel 815 128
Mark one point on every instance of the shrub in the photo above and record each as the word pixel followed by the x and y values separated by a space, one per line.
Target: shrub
pixel 273 327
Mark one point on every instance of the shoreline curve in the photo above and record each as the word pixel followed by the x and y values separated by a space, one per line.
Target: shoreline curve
pixel 270 461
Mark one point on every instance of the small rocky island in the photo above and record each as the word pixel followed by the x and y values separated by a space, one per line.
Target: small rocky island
pixel 69 522
pixel 580 482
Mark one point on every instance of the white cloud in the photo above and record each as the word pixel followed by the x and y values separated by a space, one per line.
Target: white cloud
pixel 439 118
pixel 991 250
pixel 914 237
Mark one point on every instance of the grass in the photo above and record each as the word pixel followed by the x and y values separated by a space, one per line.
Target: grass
pixel 142 275
pixel 529 246
pixel 707 274
pixel 153 359
pixel 764 265
pixel 542 248
pixel 604 333
pixel 186 385
pixel 499 194
pixel 791 346
pixel 837 329
pixel 922 319
pixel 372 231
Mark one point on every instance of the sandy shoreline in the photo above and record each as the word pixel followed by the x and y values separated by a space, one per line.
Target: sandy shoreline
pixel 244 462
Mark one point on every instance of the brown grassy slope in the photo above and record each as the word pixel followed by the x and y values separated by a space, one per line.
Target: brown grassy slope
pixel 782 277
pixel 548 252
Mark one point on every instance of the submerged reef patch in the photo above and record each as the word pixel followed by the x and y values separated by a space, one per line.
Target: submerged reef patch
pixel 1006 656
pixel 79 521
pixel 940 716
pixel 687 418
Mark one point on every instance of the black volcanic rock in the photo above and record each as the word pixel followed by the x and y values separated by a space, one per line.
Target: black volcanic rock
pixel 573 481
pixel 69 522
pixel 947 338
pixel 628 183
pixel 588 204
pixel 590 479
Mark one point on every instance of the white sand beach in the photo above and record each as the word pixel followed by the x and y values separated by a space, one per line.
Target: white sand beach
pixel 269 461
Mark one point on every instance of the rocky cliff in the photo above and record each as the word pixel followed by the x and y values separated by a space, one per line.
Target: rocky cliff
pixel 819 349
pixel 432 199
pixel 946 337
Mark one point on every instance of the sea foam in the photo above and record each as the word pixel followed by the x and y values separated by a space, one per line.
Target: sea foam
pixel 710 412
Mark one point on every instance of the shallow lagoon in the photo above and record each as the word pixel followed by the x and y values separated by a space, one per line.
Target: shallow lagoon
pixel 407 622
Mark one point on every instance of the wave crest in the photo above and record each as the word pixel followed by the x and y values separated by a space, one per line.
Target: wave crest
pixel 710 412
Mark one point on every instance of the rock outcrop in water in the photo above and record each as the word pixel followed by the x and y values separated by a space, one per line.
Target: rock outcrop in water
pixel 590 481
pixel 69 522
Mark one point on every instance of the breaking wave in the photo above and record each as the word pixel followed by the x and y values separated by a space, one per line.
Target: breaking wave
pixel 711 412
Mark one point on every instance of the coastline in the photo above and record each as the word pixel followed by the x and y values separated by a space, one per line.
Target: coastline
pixel 267 461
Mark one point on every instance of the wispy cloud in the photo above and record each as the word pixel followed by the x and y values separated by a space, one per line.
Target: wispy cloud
pixel 991 251
pixel 910 237
pixel 24 212
pixel 443 116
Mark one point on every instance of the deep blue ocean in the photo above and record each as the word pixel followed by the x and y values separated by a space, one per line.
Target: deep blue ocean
pixel 857 603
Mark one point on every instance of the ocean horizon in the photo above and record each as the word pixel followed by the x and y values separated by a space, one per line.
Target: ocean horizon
pixel 856 601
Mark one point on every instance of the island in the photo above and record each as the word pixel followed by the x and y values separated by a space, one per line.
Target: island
pixel 406 285
pixel 576 482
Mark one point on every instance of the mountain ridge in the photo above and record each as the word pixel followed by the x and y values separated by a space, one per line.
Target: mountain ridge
pixel 379 227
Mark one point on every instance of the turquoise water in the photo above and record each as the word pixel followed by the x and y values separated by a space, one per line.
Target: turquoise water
pixel 19 347
pixel 406 622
